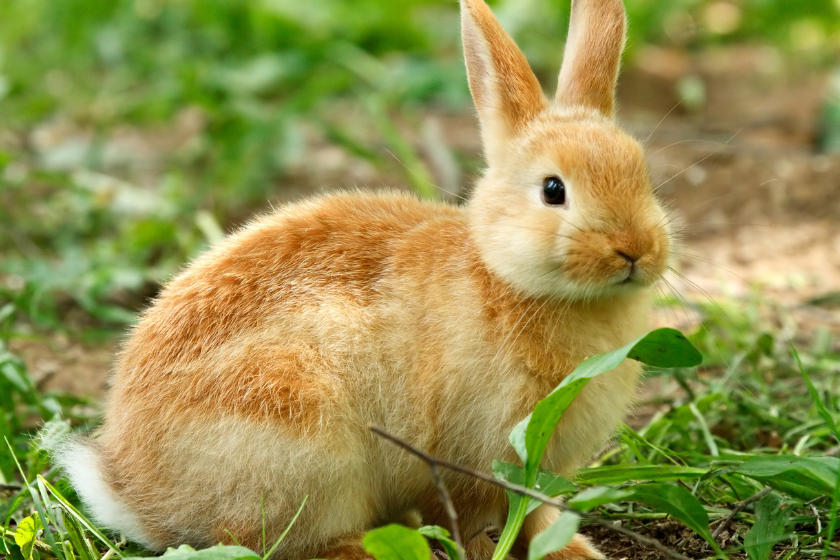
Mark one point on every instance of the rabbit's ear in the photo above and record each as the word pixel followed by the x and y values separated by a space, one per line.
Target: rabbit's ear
pixel 505 90
pixel 593 53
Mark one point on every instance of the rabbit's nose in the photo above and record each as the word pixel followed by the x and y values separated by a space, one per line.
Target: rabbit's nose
pixel 631 245
pixel 631 260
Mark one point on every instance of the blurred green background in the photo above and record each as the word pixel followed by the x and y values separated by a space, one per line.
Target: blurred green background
pixel 133 133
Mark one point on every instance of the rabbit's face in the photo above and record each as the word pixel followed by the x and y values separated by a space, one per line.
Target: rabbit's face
pixel 569 212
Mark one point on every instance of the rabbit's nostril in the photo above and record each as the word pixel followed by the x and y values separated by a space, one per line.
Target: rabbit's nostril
pixel 630 258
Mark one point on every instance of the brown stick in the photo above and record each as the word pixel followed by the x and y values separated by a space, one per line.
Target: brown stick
pixel 519 489
pixel 446 500
pixel 443 493
pixel 739 507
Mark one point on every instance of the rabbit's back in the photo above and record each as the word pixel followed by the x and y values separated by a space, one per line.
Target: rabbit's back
pixel 298 289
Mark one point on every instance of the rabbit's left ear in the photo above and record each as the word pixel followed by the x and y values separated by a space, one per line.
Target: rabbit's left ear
pixel 503 86
pixel 597 33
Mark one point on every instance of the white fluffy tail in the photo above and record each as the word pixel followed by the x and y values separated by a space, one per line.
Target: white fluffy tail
pixel 80 462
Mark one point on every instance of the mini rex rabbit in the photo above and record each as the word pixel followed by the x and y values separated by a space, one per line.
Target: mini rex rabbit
pixel 251 381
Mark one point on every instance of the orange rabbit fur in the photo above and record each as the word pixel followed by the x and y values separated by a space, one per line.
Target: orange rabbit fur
pixel 249 384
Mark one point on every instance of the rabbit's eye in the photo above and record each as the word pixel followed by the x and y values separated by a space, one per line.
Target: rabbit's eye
pixel 554 191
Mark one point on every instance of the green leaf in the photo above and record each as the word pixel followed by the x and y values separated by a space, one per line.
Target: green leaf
pixel 591 498
pixel 547 483
pixel 442 536
pixel 395 542
pixel 220 552
pixel 666 348
pixel 643 473
pixel 555 537
pixel 805 478
pixel 183 549
pixel 661 348
pixel 769 527
pixel 552 485
pixel 27 533
pixel 679 503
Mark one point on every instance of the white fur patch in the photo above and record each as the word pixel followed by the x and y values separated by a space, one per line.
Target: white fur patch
pixel 81 465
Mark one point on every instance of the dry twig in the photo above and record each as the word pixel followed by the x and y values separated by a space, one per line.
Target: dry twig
pixel 519 489
pixel 739 507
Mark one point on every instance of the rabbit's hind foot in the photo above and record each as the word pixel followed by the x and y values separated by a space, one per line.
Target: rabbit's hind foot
pixel 351 548
pixel 578 549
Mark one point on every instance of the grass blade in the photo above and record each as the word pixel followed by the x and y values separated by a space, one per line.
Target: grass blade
pixel 770 519
pixel 286 532
pixel 815 396
pixel 80 518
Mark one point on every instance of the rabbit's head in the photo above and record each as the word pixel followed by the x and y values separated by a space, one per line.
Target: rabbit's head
pixel 565 207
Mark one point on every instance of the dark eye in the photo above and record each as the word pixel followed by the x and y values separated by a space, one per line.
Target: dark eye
pixel 554 191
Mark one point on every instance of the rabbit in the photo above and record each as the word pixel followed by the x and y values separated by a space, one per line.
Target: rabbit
pixel 249 385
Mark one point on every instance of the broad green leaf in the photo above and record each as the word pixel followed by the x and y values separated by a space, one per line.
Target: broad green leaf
pixel 547 483
pixel 661 348
pixel 395 542
pixel 27 533
pixel 183 549
pixel 591 498
pixel 643 473
pixel 802 477
pixel 769 528
pixel 666 348
pixel 678 503
pixel 552 485
pixel 442 536
pixel 555 537
pixel 220 552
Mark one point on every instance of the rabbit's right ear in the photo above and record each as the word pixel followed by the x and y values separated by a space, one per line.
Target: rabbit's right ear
pixel 503 86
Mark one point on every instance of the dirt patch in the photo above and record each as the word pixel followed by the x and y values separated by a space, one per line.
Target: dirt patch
pixel 65 365
pixel 672 534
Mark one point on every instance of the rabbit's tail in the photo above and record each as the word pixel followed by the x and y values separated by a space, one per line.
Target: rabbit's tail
pixel 79 459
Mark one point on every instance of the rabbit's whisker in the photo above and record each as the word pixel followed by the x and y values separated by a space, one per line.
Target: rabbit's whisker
pixel 660 185
pixel 705 293
pixel 668 114
pixel 419 178
pixel 700 321
pixel 692 141
pixel 689 256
